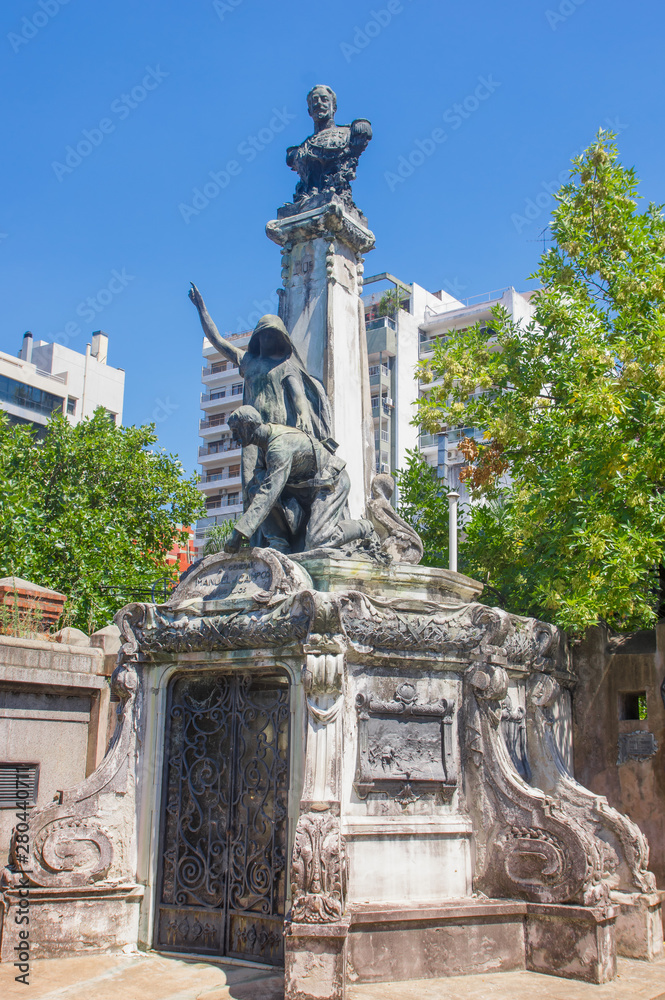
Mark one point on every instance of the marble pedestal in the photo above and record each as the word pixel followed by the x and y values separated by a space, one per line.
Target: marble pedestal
pixel 430 825
pixel 322 267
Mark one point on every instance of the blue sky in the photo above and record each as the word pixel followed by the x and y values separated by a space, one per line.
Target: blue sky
pixel 171 91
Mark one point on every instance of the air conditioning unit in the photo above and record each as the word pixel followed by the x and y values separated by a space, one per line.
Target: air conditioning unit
pixel 388 401
pixel 385 468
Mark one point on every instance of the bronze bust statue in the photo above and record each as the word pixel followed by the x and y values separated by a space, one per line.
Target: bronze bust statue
pixel 326 161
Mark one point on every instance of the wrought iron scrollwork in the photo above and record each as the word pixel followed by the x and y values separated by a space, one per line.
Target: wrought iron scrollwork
pixel 224 815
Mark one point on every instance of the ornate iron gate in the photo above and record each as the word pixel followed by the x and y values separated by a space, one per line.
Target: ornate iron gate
pixel 224 816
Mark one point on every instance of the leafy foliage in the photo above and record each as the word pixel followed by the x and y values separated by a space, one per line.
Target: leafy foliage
pixel 573 407
pixel 90 511
pixel 216 536
pixel 423 504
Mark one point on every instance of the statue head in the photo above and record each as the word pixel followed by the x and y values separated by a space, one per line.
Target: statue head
pixel 270 338
pixel 244 422
pixel 322 104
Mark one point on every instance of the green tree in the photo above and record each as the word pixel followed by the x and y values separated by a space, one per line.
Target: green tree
pixel 90 511
pixel 573 407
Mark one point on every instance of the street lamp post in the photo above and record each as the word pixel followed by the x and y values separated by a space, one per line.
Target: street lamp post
pixel 453 497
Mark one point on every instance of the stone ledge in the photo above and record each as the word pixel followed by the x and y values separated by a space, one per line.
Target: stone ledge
pixel 425 583
pixel 455 910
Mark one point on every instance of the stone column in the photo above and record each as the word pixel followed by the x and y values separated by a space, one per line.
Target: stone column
pixel 320 304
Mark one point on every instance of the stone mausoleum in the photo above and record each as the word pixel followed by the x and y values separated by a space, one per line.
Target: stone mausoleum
pixel 327 757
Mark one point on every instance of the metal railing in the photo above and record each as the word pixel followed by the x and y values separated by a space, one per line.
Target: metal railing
pixel 217 476
pixel 208 370
pixel 208 449
pixel 222 502
pixel 376 324
pixel 212 422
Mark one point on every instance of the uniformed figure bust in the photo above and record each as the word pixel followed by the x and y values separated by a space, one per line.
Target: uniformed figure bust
pixel 326 161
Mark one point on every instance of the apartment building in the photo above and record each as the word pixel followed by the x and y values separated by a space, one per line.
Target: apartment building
pixel 48 377
pixel 219 456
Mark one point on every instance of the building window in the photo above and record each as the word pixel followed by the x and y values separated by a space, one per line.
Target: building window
pixel 29 397
pixel 71 406
pixel 113 417
pixel 218 366
pixel 219 394
pixel 236 389
pixel 234 470
pixel 18 784
pixel 632 705
pixel 232 498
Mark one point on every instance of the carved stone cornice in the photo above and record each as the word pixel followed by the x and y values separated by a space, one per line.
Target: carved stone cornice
pixel 329 221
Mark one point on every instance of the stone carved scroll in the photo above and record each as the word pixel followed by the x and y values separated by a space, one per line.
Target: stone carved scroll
pixel 85 838
pixel 323 677
pixel 626 851
pixel 528 845
pixel 318 868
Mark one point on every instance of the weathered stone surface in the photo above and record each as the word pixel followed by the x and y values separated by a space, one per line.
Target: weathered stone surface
pixel 315 961
pixel 424 583
pixel 401 776
pixel 526 846
pixel 573 942
pixel 423 942
pixel 608 667
pixel 69 921
pixel 624 849
pixel 639 925
pixel 398 539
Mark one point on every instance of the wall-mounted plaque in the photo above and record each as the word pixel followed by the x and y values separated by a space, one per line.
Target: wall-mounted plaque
pixel 639 745
pixel 404 746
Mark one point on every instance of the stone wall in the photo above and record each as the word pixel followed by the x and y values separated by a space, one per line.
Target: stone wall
pixel 613 672
pixel 54 712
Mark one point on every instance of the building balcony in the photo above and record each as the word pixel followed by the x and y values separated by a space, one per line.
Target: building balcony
pixel 380 322
pixel 210 483
pixel 205 523
pixel 220 401
pixel 208 453
pixel 210 426
pixel 214 375
pixel 232 503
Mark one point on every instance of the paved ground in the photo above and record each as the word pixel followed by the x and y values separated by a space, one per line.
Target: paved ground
pixel 155 977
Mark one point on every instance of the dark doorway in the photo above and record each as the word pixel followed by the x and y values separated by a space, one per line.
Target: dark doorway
pixel 223 842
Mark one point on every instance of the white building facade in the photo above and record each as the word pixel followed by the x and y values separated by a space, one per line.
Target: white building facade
pixel 219 456
pixel 47 377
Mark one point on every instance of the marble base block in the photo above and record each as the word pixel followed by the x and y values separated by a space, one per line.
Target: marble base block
pixel 65 922
pixel 639 927
pixel 315 961
pixel 575 942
